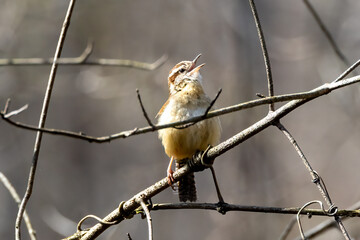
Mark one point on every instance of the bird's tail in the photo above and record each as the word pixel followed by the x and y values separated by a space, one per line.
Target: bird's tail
pixel 186 186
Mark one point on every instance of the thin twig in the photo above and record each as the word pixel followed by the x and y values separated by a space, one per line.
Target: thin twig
pixel 347 71
pixel 288 228
pixel 326 32
pixel 83 59
pixel 96 218
pixel 42 121
pixel 264 51
pixel 15 196
pixel 16 112
pixel 129 236
pixel 317 92
pixel 204 115
pixel 301 209
pixel 148 218
pixel 213 102
pixel 315 178
pixel 7 106
pixel 143 109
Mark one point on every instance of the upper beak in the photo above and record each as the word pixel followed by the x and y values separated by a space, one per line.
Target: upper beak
pixel 193 68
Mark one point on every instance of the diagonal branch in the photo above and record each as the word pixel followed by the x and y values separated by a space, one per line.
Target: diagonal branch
pixel 315 178
pixel 326 32
pixel 42 120
pixel 203 159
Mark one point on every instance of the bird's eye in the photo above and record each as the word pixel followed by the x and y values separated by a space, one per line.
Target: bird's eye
pixel 182 70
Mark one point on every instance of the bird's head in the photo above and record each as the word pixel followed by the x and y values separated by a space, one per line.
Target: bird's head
pixel 183 73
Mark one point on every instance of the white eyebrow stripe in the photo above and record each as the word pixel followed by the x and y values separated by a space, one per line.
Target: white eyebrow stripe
pixel 175 70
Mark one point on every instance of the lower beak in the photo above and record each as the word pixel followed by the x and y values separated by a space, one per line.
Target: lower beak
pixel 195 70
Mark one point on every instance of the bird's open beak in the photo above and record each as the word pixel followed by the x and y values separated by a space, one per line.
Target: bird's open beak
pixel 193 68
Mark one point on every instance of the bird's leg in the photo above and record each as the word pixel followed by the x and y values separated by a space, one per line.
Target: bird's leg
pixel 170 172
pixel 221 199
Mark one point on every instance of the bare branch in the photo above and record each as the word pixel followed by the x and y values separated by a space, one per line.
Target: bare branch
pixel 347 71
pixel 83 59
pixel 15 112
pixel 204 115
pixel 316 179
pixel 245 208
pixel 288 228
pixel 143 109
pixel 301 209
pixel 148 218
pixel 15 196
pixel 42 120
pixel 317 92
pixel 264 51
pixel 200 159
pixel 326 32
pixel 326 225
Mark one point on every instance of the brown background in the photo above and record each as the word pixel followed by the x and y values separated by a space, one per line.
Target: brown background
pixel 76 178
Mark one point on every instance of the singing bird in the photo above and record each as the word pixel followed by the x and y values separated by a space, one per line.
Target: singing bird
pixel 187 99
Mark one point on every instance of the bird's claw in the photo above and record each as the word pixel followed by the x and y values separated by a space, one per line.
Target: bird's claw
pixel 170 179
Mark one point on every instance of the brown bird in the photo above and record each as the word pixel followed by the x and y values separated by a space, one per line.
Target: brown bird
pixel 186 99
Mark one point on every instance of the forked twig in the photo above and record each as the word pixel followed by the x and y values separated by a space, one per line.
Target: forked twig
pixel 42 120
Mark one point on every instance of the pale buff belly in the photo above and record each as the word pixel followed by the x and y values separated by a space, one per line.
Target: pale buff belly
pixel 183 143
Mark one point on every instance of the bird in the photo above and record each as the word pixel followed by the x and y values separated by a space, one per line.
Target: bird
pixel 187 99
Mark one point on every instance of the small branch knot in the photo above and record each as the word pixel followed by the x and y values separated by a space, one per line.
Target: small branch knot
pixel 332 210
pixel 123 213
pixel 199 161
pixel 221 208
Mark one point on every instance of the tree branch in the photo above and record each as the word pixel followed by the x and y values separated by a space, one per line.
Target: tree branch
pixel 326 33
pixel 148 218
pixel 83 59
pixel 264 51
pixel 42 121
pixel 317 92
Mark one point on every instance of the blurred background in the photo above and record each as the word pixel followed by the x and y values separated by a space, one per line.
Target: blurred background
pixel 76 178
